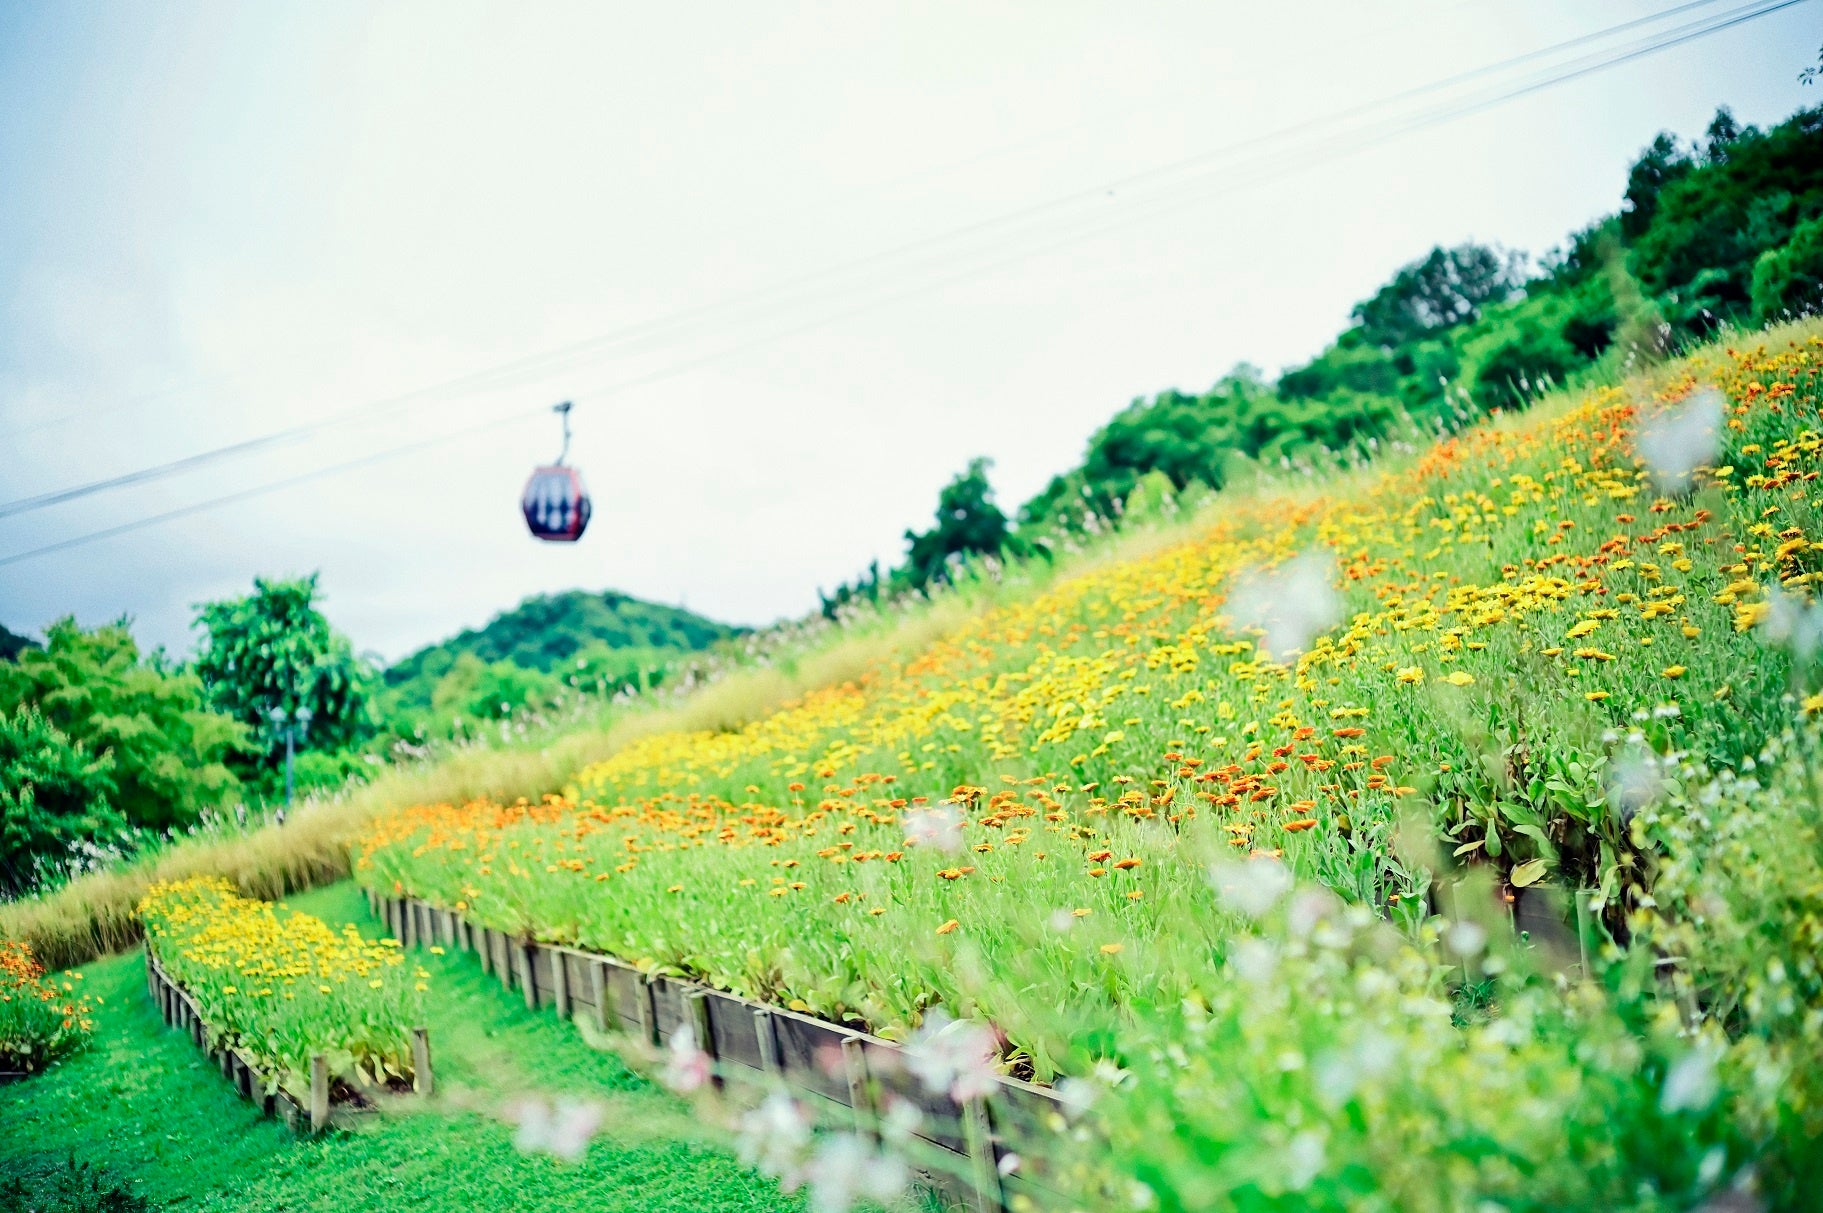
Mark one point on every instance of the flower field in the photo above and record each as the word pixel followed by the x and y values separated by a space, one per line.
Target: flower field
pixel 41 1018
pixel 281 986
pixel 1523 660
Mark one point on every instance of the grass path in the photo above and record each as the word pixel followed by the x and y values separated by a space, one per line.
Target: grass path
pixel 145 1105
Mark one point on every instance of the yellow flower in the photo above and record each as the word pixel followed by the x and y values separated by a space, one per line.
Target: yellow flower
pixel 1411 674
pixel 1673 671
pixel 1813 704
pixel 1596 696
pixel 1459 678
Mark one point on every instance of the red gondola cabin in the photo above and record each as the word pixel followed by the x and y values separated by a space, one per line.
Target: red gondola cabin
pixel 556 505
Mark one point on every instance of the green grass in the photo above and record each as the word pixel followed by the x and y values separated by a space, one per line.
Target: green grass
pixel 153 1112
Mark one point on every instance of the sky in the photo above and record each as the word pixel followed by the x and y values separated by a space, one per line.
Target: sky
pixel 795 263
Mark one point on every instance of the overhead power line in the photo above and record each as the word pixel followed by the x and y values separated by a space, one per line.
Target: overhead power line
pixel 1292 161
pixel 763 303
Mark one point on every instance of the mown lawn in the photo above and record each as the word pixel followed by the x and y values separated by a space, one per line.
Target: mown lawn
pixel 153 1112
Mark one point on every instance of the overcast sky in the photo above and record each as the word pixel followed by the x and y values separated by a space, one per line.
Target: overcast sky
pixel 805 259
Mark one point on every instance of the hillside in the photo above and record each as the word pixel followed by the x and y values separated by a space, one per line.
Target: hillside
pixel 547 630
pixel 538 655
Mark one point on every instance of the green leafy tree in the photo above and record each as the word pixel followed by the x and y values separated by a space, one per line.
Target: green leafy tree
pixel 1790 279
pixel 54 795
pixel 1446 288
pixel 12 644
pixel 273 651
pixel 967 523
pixel 168 749
pixel 1522 366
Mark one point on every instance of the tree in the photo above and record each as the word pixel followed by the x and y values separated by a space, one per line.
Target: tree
pixel 12 644
pixel 273 651
pixel 1660 164
pixel 53 797
pixel 967 523
pixel 1522 366
pixel 1446 288
pixel 168 750
pixel 1790 279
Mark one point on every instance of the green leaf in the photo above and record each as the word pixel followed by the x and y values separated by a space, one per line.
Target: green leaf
pixel 1528 873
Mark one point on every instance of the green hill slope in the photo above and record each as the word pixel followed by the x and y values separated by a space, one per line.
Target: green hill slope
pixel 534 653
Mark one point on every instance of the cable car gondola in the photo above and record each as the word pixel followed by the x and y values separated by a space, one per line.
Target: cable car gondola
pixel 555 504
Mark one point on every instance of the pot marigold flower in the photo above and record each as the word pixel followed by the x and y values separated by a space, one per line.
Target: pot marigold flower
pixel 1673 671
pixel 1411 675
pixel 1305 823
pixel 1459 678
pixel 947 927
pixel 1111 949
pixel 1595 696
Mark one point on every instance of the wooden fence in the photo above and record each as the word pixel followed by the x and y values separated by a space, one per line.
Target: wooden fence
pixel 180 1011
pixel 846 1071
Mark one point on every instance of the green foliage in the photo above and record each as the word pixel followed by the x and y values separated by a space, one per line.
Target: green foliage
pixel 533 656
pixel 1715 210
pixel 273 651
pixel 968 523
pixel 546 632
pixel 12 644
pixel 168 750
pixel 75 1187
pixel 54 795
pixel 1446 288
pixel 1789 280
pixel 1525 363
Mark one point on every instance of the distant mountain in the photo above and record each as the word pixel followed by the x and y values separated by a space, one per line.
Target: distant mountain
pixel 12 644
pixel 549 630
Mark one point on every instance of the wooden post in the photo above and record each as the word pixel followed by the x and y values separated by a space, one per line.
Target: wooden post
pixel 984 1173
pixel 598 987
pixel 503 959
pixel 420 1061
pixel 860 1098
pixel 560 982
pixel 648 1010
pixel 1583 917
pixel 769 1042
pixel 525 955
pixel 483 948
pixel 319 1093
pixel 696 1014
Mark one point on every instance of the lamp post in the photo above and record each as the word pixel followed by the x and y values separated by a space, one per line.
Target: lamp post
pixel 291 726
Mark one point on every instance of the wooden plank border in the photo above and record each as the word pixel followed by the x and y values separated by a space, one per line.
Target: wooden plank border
pixel 313 1114
pixel 831 1062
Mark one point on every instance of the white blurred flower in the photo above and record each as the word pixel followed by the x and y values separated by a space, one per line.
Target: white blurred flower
pixel 1633 783
pixel 562 1130
pixel 1304 1159
pixel 775 1137
pixel 900 1120
pixel 687 1067
pixel 1792 624
pixel 953 1056
pixel 1466 938
pixel 1690 1084
pixel 939 826
pixel 1291 603
pixel 1675 442
pixel 1254 961
pixel 1251 886
pixel 846 1168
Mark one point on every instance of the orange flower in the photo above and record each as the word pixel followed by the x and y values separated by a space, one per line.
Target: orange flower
pixel 947 927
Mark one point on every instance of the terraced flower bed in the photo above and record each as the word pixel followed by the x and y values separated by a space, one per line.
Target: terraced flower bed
pixel 292 1008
